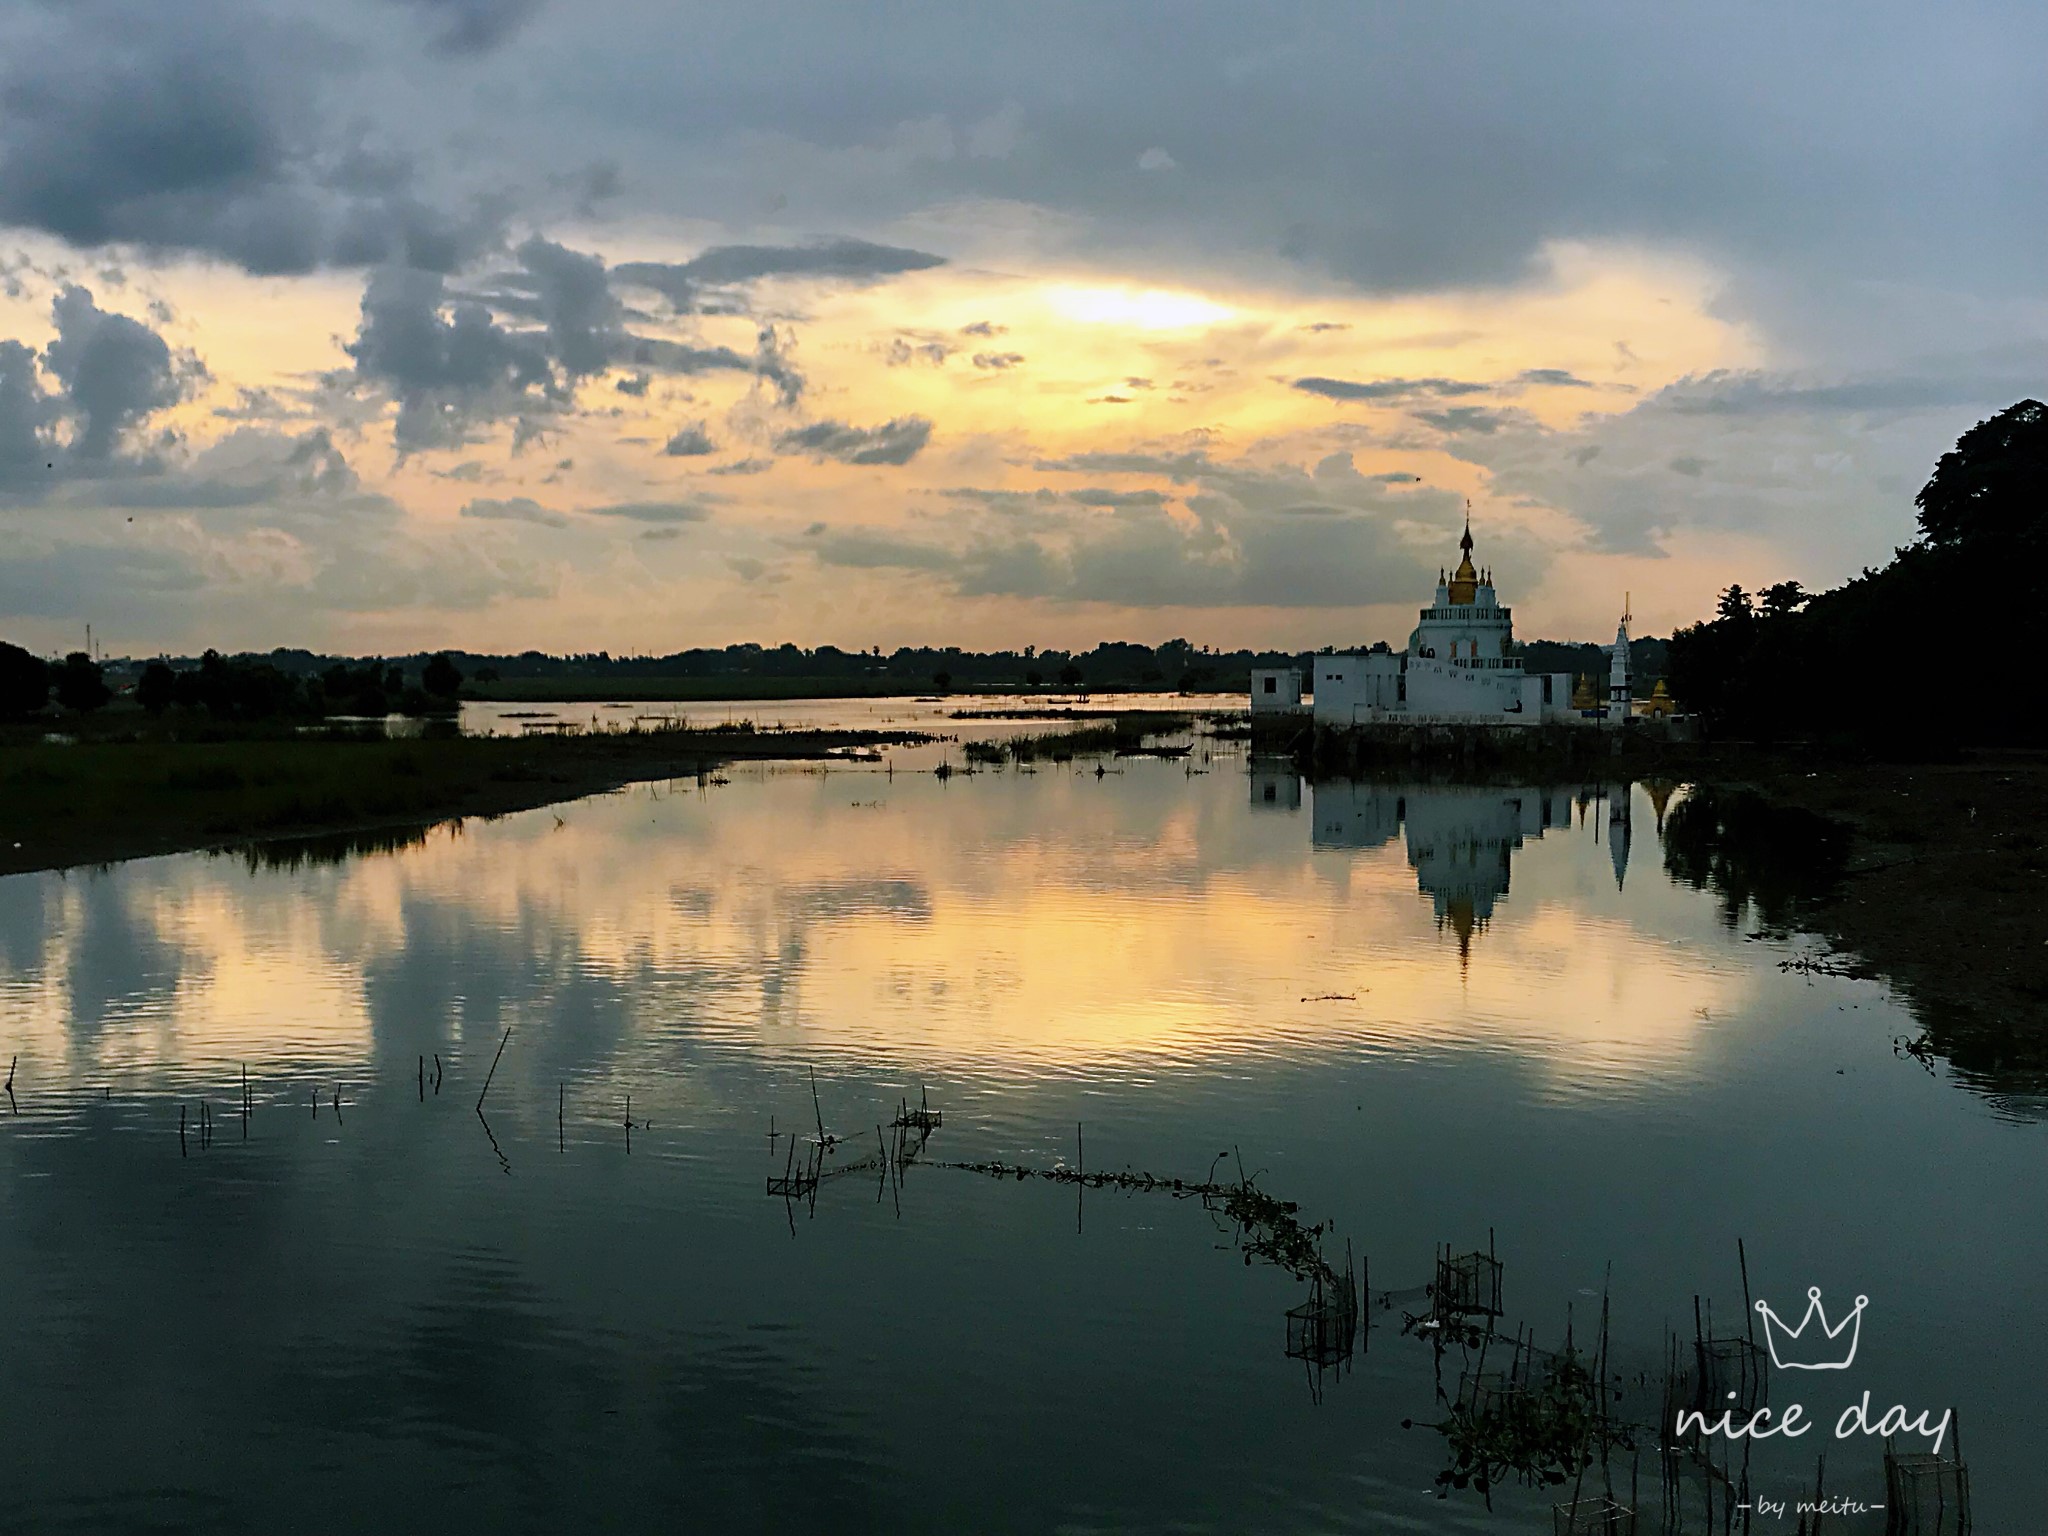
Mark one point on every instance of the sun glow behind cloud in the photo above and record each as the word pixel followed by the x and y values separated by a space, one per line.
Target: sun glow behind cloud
pixel 1135 309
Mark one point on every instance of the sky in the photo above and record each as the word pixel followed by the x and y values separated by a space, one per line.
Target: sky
pixel 388 325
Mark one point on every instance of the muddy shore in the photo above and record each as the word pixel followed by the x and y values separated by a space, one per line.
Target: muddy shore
pixel 1944 894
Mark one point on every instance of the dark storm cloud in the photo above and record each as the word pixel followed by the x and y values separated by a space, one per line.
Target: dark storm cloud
pixel 1387 389
pixel 196 130
pixel 893 442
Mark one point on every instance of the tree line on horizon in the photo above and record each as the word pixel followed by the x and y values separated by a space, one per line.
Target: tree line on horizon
pixel 1933 650
pixel 301 683
pixel 231 687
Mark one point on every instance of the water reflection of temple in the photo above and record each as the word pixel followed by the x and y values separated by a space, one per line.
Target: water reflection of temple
pixel 1460 838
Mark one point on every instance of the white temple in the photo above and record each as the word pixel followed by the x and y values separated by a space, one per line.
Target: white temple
pixel 1461 666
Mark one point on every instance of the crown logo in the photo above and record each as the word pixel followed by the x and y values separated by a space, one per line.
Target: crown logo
pixel 1821 1357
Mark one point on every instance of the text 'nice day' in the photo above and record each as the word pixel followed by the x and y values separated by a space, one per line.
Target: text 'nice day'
pixel 1855 1419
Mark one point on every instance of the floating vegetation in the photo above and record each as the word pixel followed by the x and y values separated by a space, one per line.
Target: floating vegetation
pixel 1541 1422
pixel 1123 735
pixel 1818 965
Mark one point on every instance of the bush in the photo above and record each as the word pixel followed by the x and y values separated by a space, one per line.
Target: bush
pixel 79 685
pixel 24 681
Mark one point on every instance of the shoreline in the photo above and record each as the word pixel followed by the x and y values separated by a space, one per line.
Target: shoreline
pixel 103 803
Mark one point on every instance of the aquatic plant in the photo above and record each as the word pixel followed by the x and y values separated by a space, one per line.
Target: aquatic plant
pixel 1544 1429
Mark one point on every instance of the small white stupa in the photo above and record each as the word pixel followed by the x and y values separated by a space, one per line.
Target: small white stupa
pixel 1619 699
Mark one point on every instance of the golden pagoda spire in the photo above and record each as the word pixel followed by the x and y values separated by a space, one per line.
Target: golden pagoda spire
pixel 1465 580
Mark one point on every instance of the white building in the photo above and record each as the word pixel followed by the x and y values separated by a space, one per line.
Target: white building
pixel 1461 666
pixel 1276 691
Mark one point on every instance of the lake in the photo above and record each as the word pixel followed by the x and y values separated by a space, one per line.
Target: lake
pixel 1424 1014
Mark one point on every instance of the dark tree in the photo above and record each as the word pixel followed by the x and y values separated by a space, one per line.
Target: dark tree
pixel 24 681
pixel 79 684
pixel 1034 677
pixel 1734 606
pixel 1070 675
pixel 157 688
pixel 942 681
pixel 1991 490
pixel 441 677
pixel 1781 599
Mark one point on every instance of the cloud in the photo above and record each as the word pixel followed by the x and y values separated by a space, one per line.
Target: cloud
pixel 984 328
pixel 454 368
pixel 878 551
pixel 655 511
pixel 841 259
pixel 116 373
pixel 918 347
pixel 893 442
pixel 1185 465
pixel 1556 376
pixel 1156 159
pixel 1096 496
pixel 1387 389
pixel 517 509
pixel 26 417
pixel 743 467
pixel 1824 470
pixel 690 442
pixel 449 372
pixel 1461 419
pixel 197 131
pixel 1251 536
pixel 997 361
pixel 113 374
pixel 474 26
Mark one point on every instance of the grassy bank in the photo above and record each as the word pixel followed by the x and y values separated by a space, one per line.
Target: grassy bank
pixel 96 801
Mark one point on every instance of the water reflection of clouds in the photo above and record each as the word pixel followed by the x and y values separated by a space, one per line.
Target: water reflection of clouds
pixel 1052 919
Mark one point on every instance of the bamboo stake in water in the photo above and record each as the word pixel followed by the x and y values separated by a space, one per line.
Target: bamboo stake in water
pixel 492 1073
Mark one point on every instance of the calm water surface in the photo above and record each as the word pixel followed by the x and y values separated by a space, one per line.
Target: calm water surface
pixel 1423 1013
